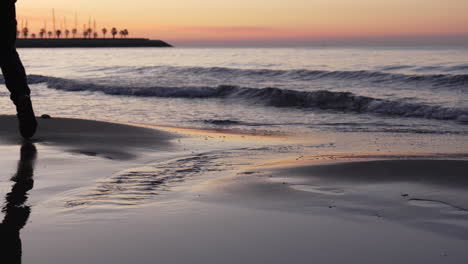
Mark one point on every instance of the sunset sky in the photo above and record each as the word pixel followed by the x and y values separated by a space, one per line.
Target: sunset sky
pixel 250 22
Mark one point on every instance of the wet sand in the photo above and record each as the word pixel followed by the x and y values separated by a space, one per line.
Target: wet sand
pixel 97 192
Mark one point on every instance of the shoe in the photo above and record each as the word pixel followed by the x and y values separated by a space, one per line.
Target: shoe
pixel 27 119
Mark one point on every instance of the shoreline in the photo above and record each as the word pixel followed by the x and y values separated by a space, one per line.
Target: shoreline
pixel 204 194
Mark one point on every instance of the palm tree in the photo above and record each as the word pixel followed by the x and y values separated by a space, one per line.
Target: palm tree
pixel 58 32
pixel 67 33
pixel 49 34
pixel 42 33
pixel 25 32
pixel 114 32
pixel 33 35
pixel 104 32
pixel 90 31
pixel 74 32
pixel 95 34
pixel 125 31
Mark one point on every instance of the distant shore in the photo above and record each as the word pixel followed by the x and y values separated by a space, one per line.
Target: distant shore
pixel 91 43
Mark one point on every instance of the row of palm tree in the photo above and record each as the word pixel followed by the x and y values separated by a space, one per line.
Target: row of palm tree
pixel 87 33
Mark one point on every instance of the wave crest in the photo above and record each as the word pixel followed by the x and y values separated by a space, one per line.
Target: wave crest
pixel 304 75
pixel 444 80
pixel 276 97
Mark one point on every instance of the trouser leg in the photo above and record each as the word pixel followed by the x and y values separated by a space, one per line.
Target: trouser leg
pixel 15 75
pixel 10 62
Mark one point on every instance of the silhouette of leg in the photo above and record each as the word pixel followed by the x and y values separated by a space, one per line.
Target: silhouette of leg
pixel 16 212
pixel 14 74
pixel 13 70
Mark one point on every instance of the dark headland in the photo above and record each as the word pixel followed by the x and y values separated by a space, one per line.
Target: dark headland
pixel 90 43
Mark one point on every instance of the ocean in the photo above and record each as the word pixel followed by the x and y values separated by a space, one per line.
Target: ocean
pixel 262 90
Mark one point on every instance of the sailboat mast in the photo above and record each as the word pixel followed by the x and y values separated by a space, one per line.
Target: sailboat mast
pixel 53 21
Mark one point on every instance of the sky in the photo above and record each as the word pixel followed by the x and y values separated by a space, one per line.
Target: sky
pixel 261 22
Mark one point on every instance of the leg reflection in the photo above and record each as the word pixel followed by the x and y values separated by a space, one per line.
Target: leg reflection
pixel 15 209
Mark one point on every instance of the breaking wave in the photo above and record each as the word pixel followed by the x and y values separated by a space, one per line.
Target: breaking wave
pixel 310 75
pixel 222 73
pixel 322 99
pixel 435 80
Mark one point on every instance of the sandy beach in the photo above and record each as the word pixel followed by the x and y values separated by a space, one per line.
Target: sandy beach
pixel 98 192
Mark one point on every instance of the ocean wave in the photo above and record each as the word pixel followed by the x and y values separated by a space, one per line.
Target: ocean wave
pixel 380 77
pixel 435 80
pixel 302 75
pixel 222 122
pixel 396 67
pixel 276 97
pixel 462 67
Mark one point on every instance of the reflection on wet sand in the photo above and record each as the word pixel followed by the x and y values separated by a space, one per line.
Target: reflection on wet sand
pixel 16 210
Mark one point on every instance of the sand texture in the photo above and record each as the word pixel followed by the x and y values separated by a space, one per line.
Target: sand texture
pixel 96 192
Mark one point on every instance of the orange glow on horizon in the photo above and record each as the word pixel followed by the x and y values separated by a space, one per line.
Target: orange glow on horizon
pixel 185 21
